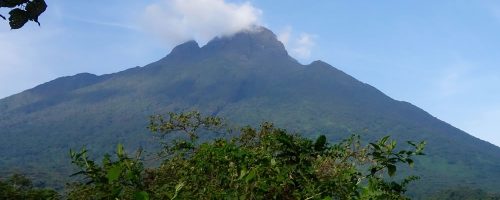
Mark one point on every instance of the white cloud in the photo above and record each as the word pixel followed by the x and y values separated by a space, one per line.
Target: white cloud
pixel 176 21
pixel 304 45
pixel 298 46
pixel 284 36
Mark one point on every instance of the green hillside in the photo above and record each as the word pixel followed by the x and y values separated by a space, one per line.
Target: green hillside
pixel 247 78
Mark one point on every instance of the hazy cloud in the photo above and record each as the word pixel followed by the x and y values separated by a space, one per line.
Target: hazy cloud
pixel 455 80
pixel 284 36
pixel 176 21
pixel 21 60
pixel 304 45
pixel 298 46
pixel 449 83
pixel 103 23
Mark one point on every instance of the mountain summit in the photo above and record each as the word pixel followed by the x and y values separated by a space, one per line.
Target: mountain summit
pixel 248 78
pixel 258 43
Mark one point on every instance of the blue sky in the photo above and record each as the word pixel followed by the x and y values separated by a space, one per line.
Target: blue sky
pixel 442 56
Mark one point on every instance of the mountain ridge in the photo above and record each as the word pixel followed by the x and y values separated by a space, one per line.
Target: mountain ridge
pixel 248 78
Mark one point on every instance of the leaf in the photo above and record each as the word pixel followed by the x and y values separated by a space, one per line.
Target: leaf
pixel 17 18
pixel 273 162
pixel 116 191
pixel 251 175
pixel 410 162
pixel 320 143
pixel 393 144
pixel 243 172
pixel 384 139
pixel 119 150
pixel 130 175
pixel 375 146
pixel 77 173
pixel 142 195
pixel 114 173
pixel 12 3
pixel 391 169
pixel 35 8
pixel 178 188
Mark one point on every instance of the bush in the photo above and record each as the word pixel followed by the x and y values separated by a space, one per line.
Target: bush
pixel 20 187
pixel 264 163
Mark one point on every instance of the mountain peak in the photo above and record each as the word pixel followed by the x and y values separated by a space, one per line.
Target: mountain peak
pixel 186 46
pixel 257 41
pixel 184 51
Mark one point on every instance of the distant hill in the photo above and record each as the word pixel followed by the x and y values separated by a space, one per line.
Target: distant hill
pixel 247 78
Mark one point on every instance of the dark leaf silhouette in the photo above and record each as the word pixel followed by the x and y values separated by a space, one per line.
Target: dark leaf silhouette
pixel 23 11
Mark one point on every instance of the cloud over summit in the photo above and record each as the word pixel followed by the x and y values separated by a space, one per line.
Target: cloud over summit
pixel 177 21
pixel 298 46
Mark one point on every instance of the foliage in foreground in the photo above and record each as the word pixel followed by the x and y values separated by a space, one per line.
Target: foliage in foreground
pixel 264 163
pixel 20 187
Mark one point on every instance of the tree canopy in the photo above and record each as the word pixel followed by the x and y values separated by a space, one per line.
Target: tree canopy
pixel 241 163
pixel 19 186
pixel 247 163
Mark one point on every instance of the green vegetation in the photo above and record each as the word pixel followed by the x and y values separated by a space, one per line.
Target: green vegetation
pixel 249 79
pixel 464 193
pixel 265 163
pixel 19 187
pixel 23 11
pixel 243 163
pixel 247 163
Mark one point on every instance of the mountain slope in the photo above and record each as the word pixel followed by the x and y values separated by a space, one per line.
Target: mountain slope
pixel 247 78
